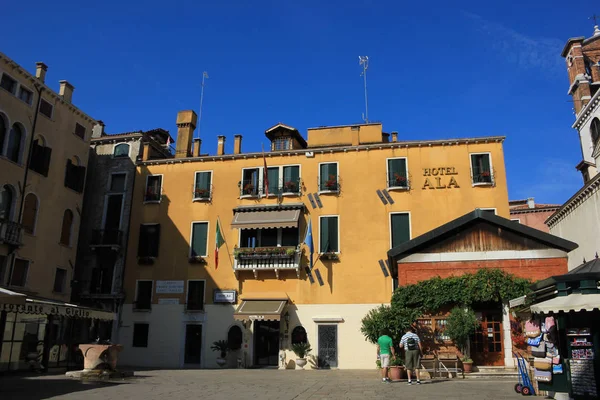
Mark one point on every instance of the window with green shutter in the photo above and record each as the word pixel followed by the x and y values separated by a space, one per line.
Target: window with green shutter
pixel 397 174
pixel 291 179
pixel 400 229
pixel 273 177
pixel 328 177
pixel 481 168
pixel 202 187
pixel 328 232
pixel 199 239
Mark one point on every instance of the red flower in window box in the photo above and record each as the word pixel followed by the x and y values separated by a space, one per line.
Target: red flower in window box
pixel 400 180
pixel 331 183
pixel 485 174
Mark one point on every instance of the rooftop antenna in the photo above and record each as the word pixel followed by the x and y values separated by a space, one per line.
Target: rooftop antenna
pixel 204 75
pixel 364 61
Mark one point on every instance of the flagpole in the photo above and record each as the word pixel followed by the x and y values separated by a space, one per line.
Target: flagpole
pixel 224 241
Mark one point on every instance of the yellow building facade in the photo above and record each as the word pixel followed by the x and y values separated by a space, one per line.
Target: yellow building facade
pixel 362 192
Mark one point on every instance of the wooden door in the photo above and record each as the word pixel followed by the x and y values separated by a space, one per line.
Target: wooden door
pixel 487 347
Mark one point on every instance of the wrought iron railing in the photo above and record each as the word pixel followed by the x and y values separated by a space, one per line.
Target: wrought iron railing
pixel 291 187
pixel 397 181
pixel 267 258
pixel 10 232
pixel 106 237
pixel 329 184
pixel 250 187
pixel 202 194
pixel 486 177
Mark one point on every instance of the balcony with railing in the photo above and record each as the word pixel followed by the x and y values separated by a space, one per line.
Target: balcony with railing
pixel 10 233
pixel 267 259
pixel 111 238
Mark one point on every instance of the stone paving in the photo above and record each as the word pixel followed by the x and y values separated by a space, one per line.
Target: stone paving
pixel 250 384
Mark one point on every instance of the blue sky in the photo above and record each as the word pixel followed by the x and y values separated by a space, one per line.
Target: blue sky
pixel 437 70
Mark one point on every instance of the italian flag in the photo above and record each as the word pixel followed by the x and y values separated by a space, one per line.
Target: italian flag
pixel 218 242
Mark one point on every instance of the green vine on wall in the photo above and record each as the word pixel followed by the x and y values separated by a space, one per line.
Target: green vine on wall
pixel 430 296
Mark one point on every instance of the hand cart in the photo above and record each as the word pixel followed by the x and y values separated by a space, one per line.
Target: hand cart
pixel 525 386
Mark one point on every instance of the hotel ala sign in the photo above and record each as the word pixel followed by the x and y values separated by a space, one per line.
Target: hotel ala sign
pixel 440 178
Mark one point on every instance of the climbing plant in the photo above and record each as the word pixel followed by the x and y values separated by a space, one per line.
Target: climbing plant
pixel 412 301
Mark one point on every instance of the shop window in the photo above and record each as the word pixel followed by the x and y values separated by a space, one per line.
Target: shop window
pixel 67 228
pixel 140 335
pixel 153 188
pixel 299 335
pixel 80 130
pixel 328 177
pixel 329 234
pixel 195 295
pixel 121 150
pixel 235 337
pixel 199 239
pixel 19 273
pixel 202 186
pixel 143 297
pixel 30 210
pixel 149 240
pixel 400 228
pixel 15 139
pixel 60 279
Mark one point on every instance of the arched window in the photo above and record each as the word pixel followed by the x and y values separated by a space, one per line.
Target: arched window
pixel 30 211
pixel 299 335
pixel 595 131
pixel 13 151
pixel 235 337
pixel 67 225
pixel 121 150
pixel 7 198
pixel 2 132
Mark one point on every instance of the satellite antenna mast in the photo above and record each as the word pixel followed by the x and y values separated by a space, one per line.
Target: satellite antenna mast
pixel 204 75
pixel 364 61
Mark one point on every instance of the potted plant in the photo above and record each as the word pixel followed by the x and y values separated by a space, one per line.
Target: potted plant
pixel 221 346
pixel 201 193
pixel 290 187
pixel 301 350
pixel 460 325
pixel 397 370
pixel 290 252
pixel 331 183
pixel 399 180
pixel 248 188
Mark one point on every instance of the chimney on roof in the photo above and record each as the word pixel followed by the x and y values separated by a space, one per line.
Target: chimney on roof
pixel 220 145
pixel 394 136
pixel 186 124
pixel 530 202
pixel 66 91
pixel 196 147
pixel 237 144
pixel 98 130
pixel 40 71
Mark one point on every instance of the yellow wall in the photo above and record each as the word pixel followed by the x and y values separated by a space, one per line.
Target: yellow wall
pixel 346 135
pixel 42 248
pixel 364 220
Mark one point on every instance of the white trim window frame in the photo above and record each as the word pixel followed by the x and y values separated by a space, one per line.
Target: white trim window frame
pixel 517 220
pixel 489 209
pixel 120 144
pixel 491 171
pixel 395 183
pixel 253 187
pixel 339 247
pixel 191 250
pixel 137 283
pixel 153 198
pixel 187 294
pixel 246 192
pixel 335 185
pixel 199 194
pixel 390 225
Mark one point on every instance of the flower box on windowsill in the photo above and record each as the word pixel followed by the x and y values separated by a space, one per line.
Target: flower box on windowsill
pixel 264 253
pixel 330 256
pixel 197 260
pixel 145 260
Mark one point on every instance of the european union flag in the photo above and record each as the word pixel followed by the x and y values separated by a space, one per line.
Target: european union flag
pixel 308 240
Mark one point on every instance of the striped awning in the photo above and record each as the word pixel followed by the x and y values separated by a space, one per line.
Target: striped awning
pixel 260 310
pixel 266 219
pixel 573 302
pixel 10 297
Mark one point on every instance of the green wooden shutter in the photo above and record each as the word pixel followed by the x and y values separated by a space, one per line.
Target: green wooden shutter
pixel 324 235
pixel 485 163
pixel 396 166
pixel 203 180
pixel 273 176
pixel 333 234
pixel 400 229
pixel 475 165
pixel 199 235
pixel 323 169
pixel 291 179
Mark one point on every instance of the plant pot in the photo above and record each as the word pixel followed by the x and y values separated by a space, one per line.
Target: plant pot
pixel 221 362
pixel 468 366
pixel 397 373
pixel 301 362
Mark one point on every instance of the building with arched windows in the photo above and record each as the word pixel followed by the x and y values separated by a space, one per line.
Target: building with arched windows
pixel 44 145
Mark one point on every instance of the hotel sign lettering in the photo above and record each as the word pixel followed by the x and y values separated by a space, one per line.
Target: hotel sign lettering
pixel 440 178
pixel 47 309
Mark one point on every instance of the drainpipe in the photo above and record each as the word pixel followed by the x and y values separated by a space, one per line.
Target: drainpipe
pixel 39 88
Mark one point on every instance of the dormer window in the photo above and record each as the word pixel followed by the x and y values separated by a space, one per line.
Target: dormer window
pixel 284 138
pixel 282 143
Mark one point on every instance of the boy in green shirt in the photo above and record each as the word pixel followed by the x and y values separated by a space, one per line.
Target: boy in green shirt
pixel 385 349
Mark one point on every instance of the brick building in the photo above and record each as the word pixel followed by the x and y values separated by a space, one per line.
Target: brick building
pixel 475 241
pixel 527 212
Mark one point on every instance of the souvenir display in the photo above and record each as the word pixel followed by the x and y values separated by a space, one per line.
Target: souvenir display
pixel 532 328
pixel 581 365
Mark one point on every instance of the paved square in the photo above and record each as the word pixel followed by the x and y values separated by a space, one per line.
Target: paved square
pixel 250 384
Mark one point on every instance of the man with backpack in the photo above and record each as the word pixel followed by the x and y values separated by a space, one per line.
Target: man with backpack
pixel 411 344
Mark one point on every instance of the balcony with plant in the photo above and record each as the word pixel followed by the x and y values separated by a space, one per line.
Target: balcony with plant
pixel 249 188
pixel 291 187
pixel 331 184
pixel 267 258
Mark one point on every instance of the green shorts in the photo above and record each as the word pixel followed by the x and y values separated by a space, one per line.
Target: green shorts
pixel 413 359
